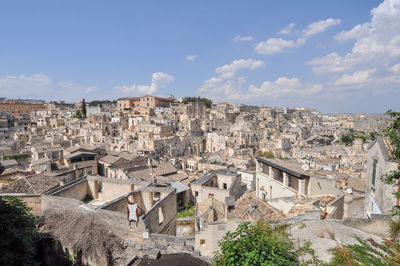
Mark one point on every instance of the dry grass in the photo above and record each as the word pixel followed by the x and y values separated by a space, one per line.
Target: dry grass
pixel 85 233
pixel 320 232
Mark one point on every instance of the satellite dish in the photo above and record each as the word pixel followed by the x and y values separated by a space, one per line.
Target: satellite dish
pixel 349 190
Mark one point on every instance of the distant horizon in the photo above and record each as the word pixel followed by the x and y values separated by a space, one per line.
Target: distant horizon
pixel 282 107
pixel 333 56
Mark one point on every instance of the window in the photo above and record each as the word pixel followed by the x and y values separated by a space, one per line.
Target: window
pixel 280 176
pixel 373 174
pixel 202 241
pixel 160 215
pixel 225 186
pixel 196 193
pixel 265 168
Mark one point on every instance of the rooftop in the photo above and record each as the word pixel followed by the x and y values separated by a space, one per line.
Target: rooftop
pixel 250 207
pixel 291 167
pixel 36 184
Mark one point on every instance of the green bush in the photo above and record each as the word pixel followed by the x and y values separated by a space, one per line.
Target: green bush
pixel 186 213
pixel 367 253
pixel 259 244
pixel 267 154
pixel 16 156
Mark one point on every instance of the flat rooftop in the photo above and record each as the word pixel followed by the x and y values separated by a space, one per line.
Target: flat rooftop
pixel 291 167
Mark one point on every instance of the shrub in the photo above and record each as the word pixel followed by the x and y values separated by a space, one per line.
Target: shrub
pixel 258 244
pixel 16 156
pixel 18 233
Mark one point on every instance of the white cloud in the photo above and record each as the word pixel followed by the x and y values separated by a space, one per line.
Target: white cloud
pixel 41 86
pixel 330 63
pixel 159 81
pixel 320 26
pixel 356 32
pixel 377 42
pixel 22 85
pixel 288 29
pixel 357 78
pixel 233 90
pixel 395 68
pixel 191 57
pixel 230 69
pixel 277 45
pixel 239 38
pixel 227 87
pixel 283 86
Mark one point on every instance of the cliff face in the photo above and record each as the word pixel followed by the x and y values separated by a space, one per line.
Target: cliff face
pixel 328 234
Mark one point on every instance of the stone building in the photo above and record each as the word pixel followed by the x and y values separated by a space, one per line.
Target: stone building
pixel 379 198
pixel 222 185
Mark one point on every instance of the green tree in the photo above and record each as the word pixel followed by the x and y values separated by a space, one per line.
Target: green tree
pixel 347 139
pixel 207 102
pixel 18 233
pixel 372 136
pixel 78 115
pixel 83 108
pixel 259 244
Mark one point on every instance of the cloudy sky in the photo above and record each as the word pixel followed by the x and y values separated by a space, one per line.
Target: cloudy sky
pixel 336 56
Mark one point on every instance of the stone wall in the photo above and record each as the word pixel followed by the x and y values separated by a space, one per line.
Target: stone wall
pixel 112 188
pixel 161 218
pixel 77 190
pixel 118 205
pixel 323 186
pixel 206 240
pixel 377 224
pixel 336 208
pixel 33 202
pixel 264 184
pixel 111 191
pixel 354 207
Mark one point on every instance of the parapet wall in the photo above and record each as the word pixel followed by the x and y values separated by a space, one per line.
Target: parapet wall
pixel 77 190
pixel 377 224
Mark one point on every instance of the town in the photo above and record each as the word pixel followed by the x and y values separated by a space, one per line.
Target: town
pixel 200 133
pixel 193 170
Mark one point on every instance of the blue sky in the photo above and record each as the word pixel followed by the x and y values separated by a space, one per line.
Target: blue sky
pixel 336 56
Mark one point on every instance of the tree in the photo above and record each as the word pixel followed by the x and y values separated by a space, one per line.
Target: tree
pixel 78 115
pixel 83 109
pixel 258 244
pixel 372 136
pixel 207 102
pixel 18 232
pixel 347 139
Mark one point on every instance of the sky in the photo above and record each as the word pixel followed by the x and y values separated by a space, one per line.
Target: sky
pixel 336 56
